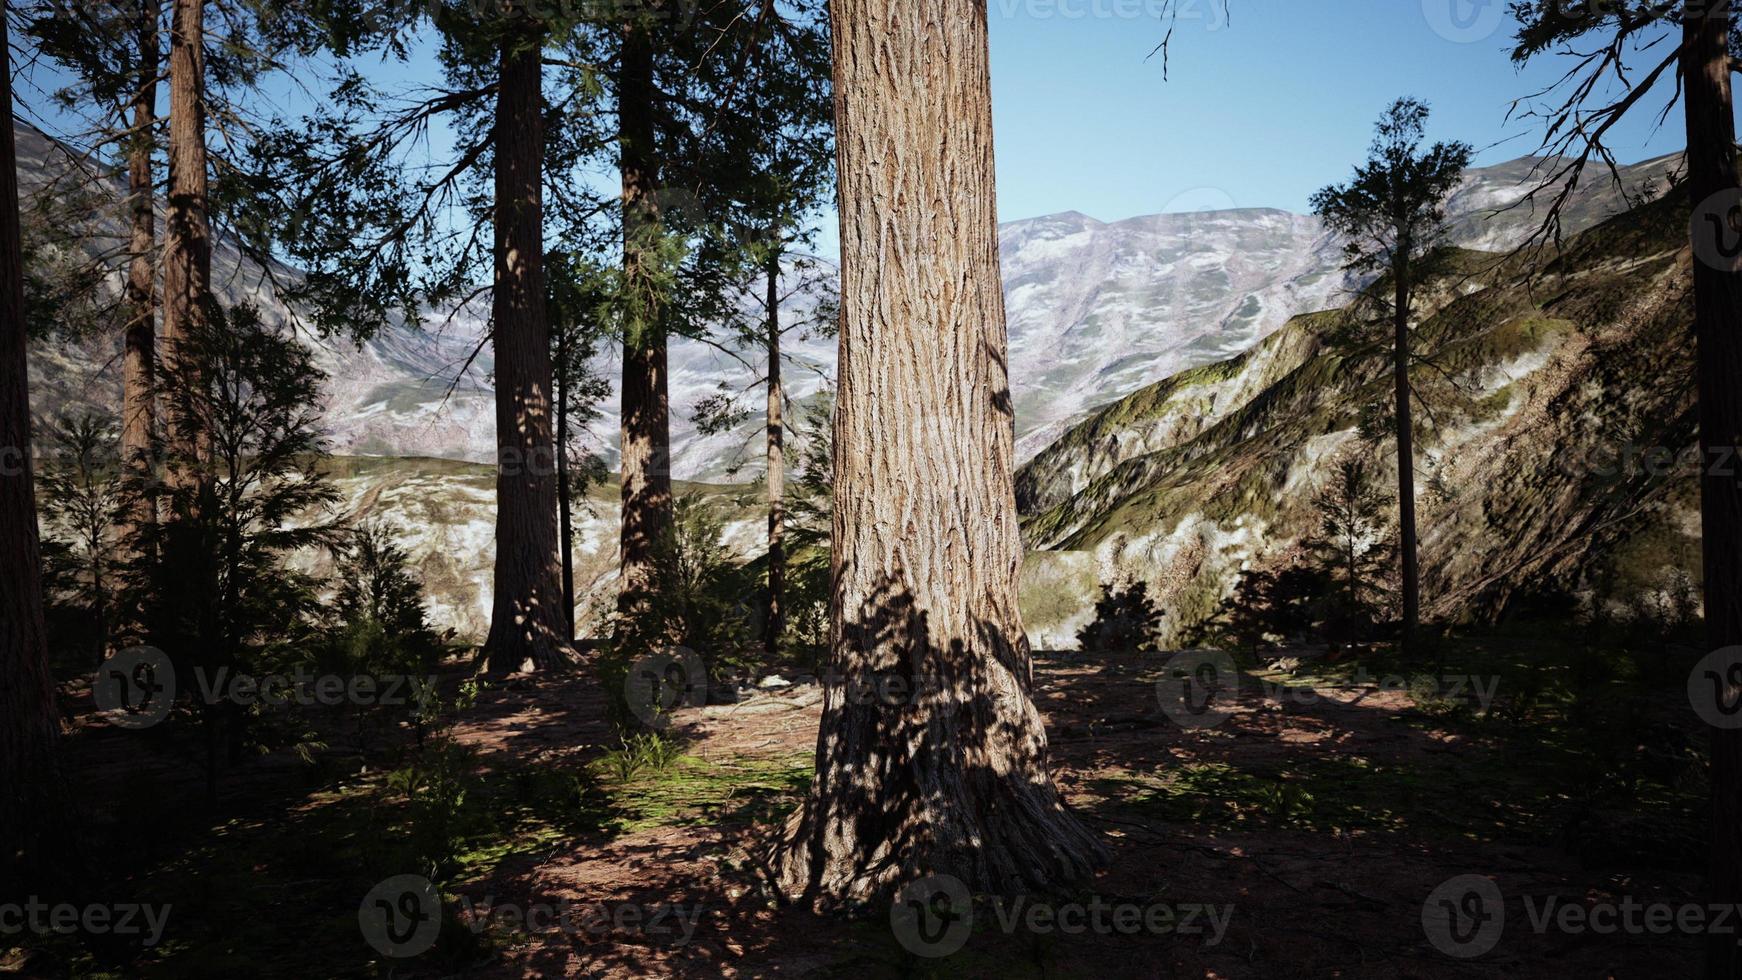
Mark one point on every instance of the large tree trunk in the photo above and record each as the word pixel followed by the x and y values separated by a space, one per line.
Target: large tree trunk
pixel 1718 339
pixel 187 245
pixel 776 621
pixel 1405 458
pixel 138 398
pixel 526 619
pixel 29 784
pixel 646 406
pixel 931 758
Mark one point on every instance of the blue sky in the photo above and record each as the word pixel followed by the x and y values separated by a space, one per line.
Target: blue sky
pixel 1264 104
pixel 1261 108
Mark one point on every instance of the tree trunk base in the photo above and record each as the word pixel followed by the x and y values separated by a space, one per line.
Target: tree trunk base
pixel 510 647
pixel 952 781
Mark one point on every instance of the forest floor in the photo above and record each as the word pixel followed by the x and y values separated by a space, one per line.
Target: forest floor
pixel 1302 836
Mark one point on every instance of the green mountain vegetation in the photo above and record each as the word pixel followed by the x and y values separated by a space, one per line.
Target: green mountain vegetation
pixel 1556 442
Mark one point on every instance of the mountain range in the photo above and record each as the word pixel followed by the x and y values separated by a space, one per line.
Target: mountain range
pixel 1095 309
pixel 1176 399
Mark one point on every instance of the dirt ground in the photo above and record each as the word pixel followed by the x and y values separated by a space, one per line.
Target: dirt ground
pixel 1323 881
pixel 1307 829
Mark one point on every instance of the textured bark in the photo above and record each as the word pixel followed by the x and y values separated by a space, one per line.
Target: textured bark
pixel 187 245
pixel 138 403
pixel 775 624
pixel 1405 454
pixel 646 405
pixel 526 619
pixel 931 757
pixel 29 785
pixel 1718 340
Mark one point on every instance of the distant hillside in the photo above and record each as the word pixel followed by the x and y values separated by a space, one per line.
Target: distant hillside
pixel 1189 480
pixel 1096 310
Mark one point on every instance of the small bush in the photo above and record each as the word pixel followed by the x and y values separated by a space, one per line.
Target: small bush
pixel 1126 620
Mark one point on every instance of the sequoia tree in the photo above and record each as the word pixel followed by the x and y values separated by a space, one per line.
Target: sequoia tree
pixel 703 94
pixel 138 407
pixel 932 757
pixel 1699 63
pixel 113 62
pixel 28 723
pixel 528 621
pixel 1706 66
pixel 187 245
pixel 645 445
pixel 377 236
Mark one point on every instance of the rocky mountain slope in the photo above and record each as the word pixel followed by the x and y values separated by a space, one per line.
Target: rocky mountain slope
pixel 1096 310
pixel 1567 388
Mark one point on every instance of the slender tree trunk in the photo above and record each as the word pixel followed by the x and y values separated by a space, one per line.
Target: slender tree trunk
pixel 646 407
pixel 931 758
pixel 1718 340
pixel 99 608
pixel 29 783
pixel 1405 460
pixel 187 245
pixel 564 496
pixel 776 620
pixel 1354 580
pixel 526 619
pixel 138 372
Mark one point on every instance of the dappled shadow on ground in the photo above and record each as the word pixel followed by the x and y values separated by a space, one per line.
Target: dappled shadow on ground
pixel 1319 819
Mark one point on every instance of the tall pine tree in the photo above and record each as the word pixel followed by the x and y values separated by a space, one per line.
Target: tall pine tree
pixel 1391 216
